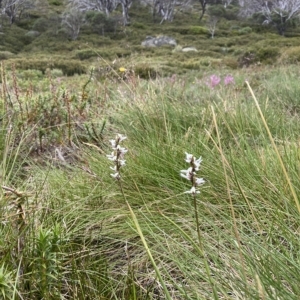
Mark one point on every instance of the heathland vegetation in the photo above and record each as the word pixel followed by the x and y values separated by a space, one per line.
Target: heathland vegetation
pixel 130 172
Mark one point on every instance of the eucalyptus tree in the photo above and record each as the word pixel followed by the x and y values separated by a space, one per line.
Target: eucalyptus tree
pixel 215 13
pixel 105 6
pixel 13 9
pixel 227 2
pixel 205 3
pixel 72 20
pixel 276 12
pixel 166 9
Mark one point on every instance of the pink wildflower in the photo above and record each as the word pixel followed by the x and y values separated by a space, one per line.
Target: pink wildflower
pixel 213 81
pixel 228 80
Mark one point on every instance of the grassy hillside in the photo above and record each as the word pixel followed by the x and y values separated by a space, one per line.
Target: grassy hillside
pixel 40 37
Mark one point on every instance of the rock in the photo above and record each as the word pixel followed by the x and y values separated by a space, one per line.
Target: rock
pixel 158 41
pixel 189 49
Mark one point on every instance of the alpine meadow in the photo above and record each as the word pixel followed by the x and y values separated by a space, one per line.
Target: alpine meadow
pixel 149 150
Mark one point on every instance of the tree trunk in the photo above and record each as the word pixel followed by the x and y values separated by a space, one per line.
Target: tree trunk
pixel 282 26
pixel 203 8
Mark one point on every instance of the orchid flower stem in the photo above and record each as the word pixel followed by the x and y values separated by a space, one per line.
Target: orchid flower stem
pixel 197 223
pixel 207 269
pixel 122 190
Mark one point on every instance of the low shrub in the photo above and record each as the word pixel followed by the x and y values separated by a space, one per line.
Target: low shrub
pixel 198 30
pixel 145 71
pixel 85 54
pixel 32 34
pixel 55 2
pixel 138 25
pixel 68 67
pixel 231 12
pixel 30 74
pixel 247 58
pixel 122 53
pixel 191 64
pixel 267 55
pixel 41 24
pixel 101 23
pixel 14 39
pixel 230 62
pixel 6 55
pixel 245 30
pixel 54 73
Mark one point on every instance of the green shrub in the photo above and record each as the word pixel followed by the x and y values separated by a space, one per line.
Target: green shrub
pixel 198 30
pixel 225 42
pixel 267 55
pixel 191 64
pixel 235 27
pixel 145 71
pixel 14 39
pixel 41 24
pixel 6 55
pixel 230 62
pixel 247 58
pixel 30 74
pixel 54 73
pixel 138 25
pixel 123 53
pixel 85 54
pixel 100 22
pixel 245 30
pixel 69 67
pixel 231 12
pixel 32 34
pixel 55 2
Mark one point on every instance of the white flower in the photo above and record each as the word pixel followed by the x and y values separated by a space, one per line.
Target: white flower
pixel 113 143
pixel 122 162
pixel 121 150
pixel 121 137
pixel 199 160
pixel 115 175
pixel 189 170
pixel 199 181
pixel 189 157
pixel 190 173
pixel 117 155
pixel 187 174
pixel 197 163
pixel 192 191
pixel 112 156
